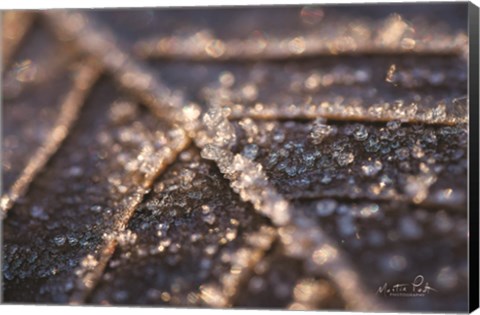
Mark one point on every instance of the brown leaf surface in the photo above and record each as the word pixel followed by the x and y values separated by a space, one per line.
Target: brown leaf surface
pixel 301 175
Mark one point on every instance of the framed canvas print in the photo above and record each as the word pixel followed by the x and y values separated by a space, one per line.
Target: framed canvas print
pixel 296 157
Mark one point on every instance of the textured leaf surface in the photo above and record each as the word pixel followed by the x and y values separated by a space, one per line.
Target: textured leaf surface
pixel 281 157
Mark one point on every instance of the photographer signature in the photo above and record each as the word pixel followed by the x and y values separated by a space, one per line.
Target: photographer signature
pixel 419 287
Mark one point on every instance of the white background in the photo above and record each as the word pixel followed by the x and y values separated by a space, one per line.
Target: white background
pixel 77 310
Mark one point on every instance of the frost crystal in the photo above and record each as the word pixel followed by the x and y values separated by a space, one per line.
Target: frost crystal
pixel 320 130
pixel 372 168
pixel 345 158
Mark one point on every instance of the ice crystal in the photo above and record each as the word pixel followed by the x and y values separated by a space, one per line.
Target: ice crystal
pixel 372 168
pixel 345 158
pixel 320 130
